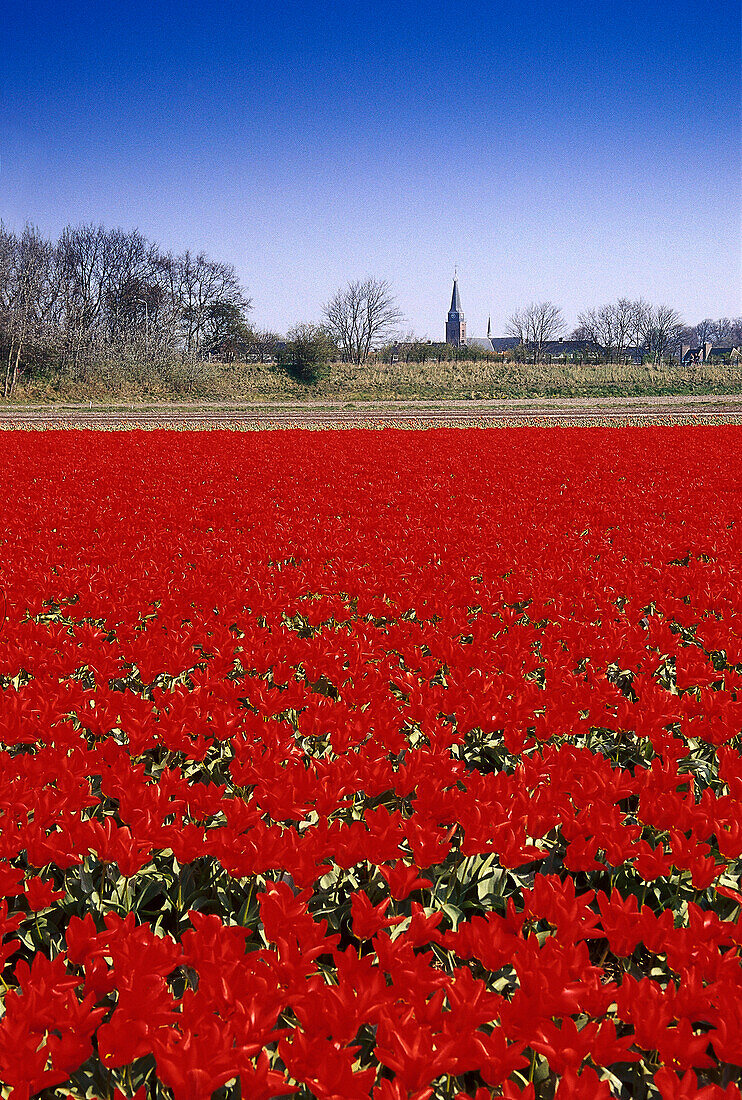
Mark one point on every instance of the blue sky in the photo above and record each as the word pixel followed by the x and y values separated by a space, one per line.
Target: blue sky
pixel 576 152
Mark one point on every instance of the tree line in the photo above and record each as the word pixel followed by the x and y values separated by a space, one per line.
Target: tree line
pixel 99 296
pixel 656 331
pixel 108 302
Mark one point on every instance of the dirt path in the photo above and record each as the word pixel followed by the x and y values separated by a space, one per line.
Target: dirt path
pixel 605 411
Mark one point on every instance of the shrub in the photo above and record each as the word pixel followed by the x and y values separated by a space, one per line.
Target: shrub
pixel 306 354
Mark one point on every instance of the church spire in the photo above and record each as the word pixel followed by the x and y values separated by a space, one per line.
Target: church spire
pixel 455 323
pixel 489 327
pixel 455 300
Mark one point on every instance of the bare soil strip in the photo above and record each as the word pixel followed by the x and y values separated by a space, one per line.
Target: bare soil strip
pixel 564 412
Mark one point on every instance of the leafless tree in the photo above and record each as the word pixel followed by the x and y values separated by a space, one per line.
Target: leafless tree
pixel 703 331
pixel 360 316
pixel 725 331
pixel 640 310
pixel 610 328
pixel 8 264
pixel 517 326
pixel 623 314
pixel 27 291
pixel 164 304
pixel 262 345
pixel 535 325
pixel 720 330
pixel 661 331
pixel 87 262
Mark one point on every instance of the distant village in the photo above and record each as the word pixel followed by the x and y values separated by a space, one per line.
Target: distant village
pixel 544 319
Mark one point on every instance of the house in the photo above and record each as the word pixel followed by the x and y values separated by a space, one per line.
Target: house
pixel 707 353
pixel 569 349
pixel 503 343
pixel 695 355
pixel 481 342
pixel 725 355
pixel 582 350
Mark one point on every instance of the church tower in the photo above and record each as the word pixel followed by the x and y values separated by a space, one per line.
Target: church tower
pixel 455 324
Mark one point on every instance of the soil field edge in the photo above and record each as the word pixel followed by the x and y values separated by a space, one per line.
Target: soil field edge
pixel 564 412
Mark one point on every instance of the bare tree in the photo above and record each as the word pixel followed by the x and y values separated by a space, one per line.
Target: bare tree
pixel 263 345
pixel 87 260
pixel 703 331
pixel 164 304
pixel 725 331
pixel 8 269
pixel 597 326
pixel 623 325
pixel 518 327
pixel 360 317
pixel 535 325
pixel 27 291
pixel 587 327
pixel 640 311
pixel 720 332
pixel 661 331
pixel 610 328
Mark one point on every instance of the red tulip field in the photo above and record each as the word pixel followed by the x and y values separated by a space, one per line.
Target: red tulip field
pixel 393 765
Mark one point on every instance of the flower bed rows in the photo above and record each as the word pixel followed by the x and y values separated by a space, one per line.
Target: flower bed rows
pixel 394 765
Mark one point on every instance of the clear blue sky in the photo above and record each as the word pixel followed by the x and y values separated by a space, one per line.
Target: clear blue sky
pixel 573 151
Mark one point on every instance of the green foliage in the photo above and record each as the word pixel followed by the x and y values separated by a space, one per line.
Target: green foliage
pixel 228 334
pixel 306 354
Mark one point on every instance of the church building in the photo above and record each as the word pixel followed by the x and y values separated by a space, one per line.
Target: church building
pixel 456 329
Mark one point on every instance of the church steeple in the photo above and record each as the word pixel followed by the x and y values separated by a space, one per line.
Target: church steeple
pixel 455 323
pixel 455 300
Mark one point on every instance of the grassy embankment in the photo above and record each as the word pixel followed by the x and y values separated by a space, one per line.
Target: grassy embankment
pixel 484 380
